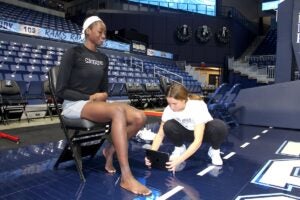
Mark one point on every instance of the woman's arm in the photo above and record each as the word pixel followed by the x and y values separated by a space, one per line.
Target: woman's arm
pixel 194 146
pixel 101 96
pixel 65 70
pixel 158 138
pixel 156 142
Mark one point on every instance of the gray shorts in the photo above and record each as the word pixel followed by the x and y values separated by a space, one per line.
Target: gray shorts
pixel 72 109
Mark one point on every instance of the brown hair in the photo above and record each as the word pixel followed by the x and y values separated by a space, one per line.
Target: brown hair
pixel 179 92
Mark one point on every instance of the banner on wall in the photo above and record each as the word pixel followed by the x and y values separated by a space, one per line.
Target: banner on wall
pixel 152 52
pixel 55 34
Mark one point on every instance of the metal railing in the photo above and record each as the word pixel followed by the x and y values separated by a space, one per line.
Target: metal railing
pixel 136 62
pixel 157 71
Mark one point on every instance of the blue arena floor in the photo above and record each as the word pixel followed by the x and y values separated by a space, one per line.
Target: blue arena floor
pixel 259 163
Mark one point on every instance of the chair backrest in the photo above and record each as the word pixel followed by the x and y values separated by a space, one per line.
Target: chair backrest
pixel 9 87
pixel 134 88
pixel 46 87
pixel 51 85
pixel 53 73
pixel 152 88
pixel 219 94
pixel 232 94
pixel 165 83
pixel 11 93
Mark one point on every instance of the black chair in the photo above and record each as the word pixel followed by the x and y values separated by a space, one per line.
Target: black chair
pixel 84 137
pixel 165 83
pixel 136 95
pixel 156 97
pixel 51 109
pixel 13 104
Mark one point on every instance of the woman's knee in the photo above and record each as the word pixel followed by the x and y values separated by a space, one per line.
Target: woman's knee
pixel 118 112
pixel 169 126
pixel 217 126
pixel 139 118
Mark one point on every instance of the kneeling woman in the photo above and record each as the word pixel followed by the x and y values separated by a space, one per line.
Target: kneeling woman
pixel 187 119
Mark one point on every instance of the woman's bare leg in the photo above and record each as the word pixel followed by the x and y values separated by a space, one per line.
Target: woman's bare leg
pixel 135 121
pixel 117 114
pixel 108 152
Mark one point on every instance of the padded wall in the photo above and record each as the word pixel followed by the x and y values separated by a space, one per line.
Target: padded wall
pixel 274 105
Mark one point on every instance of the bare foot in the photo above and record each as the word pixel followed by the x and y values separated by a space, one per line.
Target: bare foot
pixel 109 167
pixel 132 185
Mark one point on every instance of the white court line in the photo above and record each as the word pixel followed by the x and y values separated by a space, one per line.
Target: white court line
pixel 264 131
pixel 207 169
pixel 245 144
pixel 170 193
pixel 229 155
pixel 256 137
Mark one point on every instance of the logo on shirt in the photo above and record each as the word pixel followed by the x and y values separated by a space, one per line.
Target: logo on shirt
pixel 184 122
pixel 93 62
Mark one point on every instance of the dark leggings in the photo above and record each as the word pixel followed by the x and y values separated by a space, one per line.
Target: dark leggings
pixel 215 133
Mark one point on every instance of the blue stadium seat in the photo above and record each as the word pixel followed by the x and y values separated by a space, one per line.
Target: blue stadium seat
pixel 35 61
pixel 3 47
pixel 10 53
pixel 4 68
pixel 31 77
pixel 222 110
pixel 18 68
pixel 6 59
pixel 35 93
pixel 13 76
pixel 43 77
pixel 33 69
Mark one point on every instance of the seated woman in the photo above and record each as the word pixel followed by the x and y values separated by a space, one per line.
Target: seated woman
pixel 82 83
pixel 186 119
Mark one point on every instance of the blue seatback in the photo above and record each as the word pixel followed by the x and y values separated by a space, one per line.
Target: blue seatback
pixel 219 94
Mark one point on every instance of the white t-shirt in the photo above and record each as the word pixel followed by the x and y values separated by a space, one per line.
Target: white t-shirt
pixel 194 113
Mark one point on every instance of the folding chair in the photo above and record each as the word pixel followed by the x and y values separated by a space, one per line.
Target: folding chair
pixel 84 137
pixel 165 83
pixel 156 98
pixel 136 95
pixel 13 102
pixel 51 109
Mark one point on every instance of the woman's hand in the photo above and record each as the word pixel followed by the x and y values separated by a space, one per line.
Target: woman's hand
pixel 101 96
pixel 147 162
pixel 172 164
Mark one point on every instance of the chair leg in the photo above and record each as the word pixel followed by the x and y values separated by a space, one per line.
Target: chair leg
pixel 49 111
pixel 70 151
pixel 25 112
pixel 78 160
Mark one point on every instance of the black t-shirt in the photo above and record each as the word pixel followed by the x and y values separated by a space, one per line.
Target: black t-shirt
pixel 82 73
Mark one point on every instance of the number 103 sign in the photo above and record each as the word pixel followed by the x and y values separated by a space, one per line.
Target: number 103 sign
pixel 29 30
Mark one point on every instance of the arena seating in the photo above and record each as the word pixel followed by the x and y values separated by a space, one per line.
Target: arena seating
pixel 222 101
pixel 38 19
pixel 268 45
pixel 28 63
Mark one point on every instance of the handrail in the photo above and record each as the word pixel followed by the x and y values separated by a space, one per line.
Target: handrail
pixel 135 64
pixel 169 72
